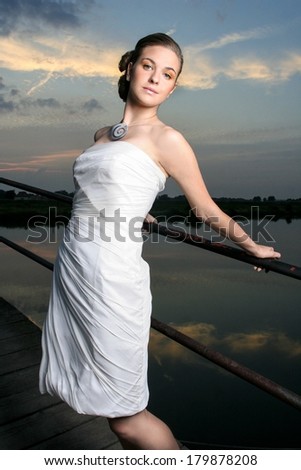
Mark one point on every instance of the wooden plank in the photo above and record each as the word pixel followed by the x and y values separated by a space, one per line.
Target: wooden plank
pixel 94 434
pixel 24 403
pixel 37 427
pixel 18 380
pixel 56 427
pixel 9 314
pixel 29 420
pixel 19 343
pixel 22 327
pixel 20 359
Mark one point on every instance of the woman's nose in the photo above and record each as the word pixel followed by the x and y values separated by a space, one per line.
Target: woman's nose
pixel 154 78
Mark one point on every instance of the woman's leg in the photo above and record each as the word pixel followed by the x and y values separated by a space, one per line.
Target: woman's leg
pixel 143 431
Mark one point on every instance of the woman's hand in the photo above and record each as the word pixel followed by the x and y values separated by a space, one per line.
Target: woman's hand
pixel 262 251
pixel 150 219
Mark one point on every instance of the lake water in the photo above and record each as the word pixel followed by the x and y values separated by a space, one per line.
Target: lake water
pixel 254 318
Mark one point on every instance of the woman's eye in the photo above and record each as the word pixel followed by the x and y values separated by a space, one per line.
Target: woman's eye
pixel 147 66
pixel 167 76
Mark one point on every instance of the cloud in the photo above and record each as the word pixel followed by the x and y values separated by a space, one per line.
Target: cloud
pixel 171 31
pixel 24 13
pixel 205 333
pixel 51 163
pixel 43 110
pixel 14 92
pixel 199 71
pixel 64 56
pixel 21 105
pixel 264 71
pixel 202 72
pixel 41 83
pixel 24 104
pixel 242 342
pixel 251 69
pixel 41 103
pixel 161 346
pixel 6 106
pixel 68 56
pixel 48 102
pixel 290 66
pixel 234 38
pixel 91 105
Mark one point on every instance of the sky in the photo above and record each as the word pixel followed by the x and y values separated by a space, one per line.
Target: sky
pixel 237 101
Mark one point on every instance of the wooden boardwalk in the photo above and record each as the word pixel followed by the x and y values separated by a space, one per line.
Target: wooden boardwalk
pixel 29 420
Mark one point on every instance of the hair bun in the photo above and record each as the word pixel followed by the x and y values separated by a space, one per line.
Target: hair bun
pixel 125 60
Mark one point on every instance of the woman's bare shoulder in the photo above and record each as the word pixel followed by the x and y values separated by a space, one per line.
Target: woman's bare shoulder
pixel 172 142
pixel 175 154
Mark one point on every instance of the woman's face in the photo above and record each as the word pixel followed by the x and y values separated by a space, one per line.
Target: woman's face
pixel 153 76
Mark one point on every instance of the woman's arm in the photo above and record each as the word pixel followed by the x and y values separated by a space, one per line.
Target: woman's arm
pixel 181 164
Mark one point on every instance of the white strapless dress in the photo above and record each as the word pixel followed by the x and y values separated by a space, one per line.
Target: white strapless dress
pixel 95 335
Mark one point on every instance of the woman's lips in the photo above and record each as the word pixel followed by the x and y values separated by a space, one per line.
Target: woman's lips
pixel 150 90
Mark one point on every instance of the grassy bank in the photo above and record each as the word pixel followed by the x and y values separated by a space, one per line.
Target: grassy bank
pixel 22 213
pixel 250 209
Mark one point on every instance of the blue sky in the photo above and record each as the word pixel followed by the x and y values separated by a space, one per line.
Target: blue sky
pixel 237 103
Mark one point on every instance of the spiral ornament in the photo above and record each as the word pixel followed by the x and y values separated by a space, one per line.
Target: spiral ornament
pixel 118 131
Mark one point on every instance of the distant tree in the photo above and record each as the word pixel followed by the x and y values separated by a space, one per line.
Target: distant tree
pixel 62 191
pixel 257 199
pixel 271 199
pixel 10 194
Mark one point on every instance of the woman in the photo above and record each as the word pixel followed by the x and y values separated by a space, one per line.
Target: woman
pixel 96 332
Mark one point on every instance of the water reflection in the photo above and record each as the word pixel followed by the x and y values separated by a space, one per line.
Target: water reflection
pixel 253 342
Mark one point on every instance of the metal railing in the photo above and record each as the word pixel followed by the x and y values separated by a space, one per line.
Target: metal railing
pixel 217 358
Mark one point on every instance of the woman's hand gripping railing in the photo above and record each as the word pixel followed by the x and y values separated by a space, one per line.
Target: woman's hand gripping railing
pixel 267 264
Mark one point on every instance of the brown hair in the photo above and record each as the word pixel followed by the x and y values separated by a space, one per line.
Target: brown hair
pixel 156 39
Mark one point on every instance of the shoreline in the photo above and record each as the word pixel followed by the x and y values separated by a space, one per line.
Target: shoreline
pixel 27 212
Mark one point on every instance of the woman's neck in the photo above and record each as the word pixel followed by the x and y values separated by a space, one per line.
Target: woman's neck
pixel 134 115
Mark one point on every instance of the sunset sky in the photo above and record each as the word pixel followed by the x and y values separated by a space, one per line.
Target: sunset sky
pixel 238 101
